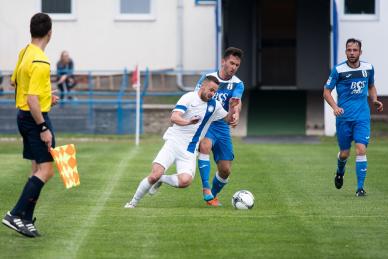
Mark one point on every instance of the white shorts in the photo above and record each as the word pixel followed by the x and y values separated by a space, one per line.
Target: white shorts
pixel 174 152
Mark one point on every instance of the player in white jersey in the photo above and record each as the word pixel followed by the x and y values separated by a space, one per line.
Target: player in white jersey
pixel 191 117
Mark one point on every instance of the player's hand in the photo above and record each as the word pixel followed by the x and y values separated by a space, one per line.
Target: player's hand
pixel 54 98
pixel 378 105
pixel 235 119
pixel 195 119
pixel 338 111
pixel 47 138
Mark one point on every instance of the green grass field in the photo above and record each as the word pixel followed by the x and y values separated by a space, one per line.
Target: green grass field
pixel 298 212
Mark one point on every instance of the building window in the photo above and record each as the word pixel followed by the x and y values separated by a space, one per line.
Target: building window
pixel 136 10
pixel 360 9
pixel 58 9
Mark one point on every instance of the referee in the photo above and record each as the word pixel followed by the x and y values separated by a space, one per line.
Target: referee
pixel 31 79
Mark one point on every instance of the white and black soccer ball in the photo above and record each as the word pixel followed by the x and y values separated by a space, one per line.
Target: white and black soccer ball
pixel 243 200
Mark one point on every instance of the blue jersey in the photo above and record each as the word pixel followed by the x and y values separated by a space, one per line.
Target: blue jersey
pixel 227 89
pixel 352 89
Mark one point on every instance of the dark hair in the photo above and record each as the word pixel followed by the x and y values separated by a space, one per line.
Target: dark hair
pixel 353 40
pixel 40 25
pixel 234 52
pixel 211 78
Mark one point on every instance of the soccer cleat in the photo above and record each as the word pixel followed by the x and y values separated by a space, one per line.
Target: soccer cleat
pixel 207 194
pixel 339 180
pixel 18 224
pixel 214 202
pixel 154 188
pixel 130 205
pixel 360 193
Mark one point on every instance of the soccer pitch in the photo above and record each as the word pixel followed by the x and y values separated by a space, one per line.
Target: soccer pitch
pixel 298 212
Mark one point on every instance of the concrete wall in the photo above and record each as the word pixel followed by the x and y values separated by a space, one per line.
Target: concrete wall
pixel 373 34
pixel 96 39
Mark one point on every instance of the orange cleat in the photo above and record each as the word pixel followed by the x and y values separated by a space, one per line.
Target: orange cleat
pixel 215 202
pixel 207 194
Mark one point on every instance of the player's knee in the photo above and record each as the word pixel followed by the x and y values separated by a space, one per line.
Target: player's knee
pixel 343 155
pixel 205 147
pixel 153 178
pixel 360 150
pixel 185 180
pixel 224 173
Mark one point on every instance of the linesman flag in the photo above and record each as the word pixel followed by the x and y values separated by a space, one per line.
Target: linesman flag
pixel 135 79
pixel 64 157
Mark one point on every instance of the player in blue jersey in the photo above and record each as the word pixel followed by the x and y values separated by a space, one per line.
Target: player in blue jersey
pixel 354 81
pixel 191 117
pixel 218 138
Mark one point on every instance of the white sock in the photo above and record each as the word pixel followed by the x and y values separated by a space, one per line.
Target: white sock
pixel 142 189
pixel 171 180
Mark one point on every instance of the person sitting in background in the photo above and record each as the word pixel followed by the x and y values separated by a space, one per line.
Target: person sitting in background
pixel 65 70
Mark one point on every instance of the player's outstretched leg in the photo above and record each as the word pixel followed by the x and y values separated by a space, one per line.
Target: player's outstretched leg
pixel 361 169
pixel 339 176
pixel 204 170
pixel 141 190
pixel 218 185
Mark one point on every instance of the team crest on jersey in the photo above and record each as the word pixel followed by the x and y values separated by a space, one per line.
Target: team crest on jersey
pixel 364 73
pixel 230 86
pixel 210 108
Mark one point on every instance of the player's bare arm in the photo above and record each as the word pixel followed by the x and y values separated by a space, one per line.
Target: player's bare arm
pixel 338 111
pixel 373 96
pixel 176 117
pixel 33 103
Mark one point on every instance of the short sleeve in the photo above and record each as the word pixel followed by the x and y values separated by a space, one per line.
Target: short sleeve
pixel 332 81
pixel 39 71
pixel 371 79
pixel 183 103
pixel 199 83
pixel 238 90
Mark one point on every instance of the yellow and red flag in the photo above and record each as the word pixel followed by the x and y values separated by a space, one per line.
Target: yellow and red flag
pixel 65 159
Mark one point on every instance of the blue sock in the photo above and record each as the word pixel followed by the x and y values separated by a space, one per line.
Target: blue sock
pixel 204 169
pixel 25 206
pixel 341 166
pixel 218 184
pixel 361 168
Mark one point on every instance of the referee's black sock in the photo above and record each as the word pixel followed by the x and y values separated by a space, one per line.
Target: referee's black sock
pixel 26 204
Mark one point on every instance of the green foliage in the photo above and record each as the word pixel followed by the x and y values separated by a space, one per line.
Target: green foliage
pixel 298 212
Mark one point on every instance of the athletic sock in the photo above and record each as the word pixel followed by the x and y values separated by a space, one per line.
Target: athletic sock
pixel 361 168
pixel 204 169
pixel 341 165
pixel 218 184
pixel 25 206
pixel 171 180
pixel 142 189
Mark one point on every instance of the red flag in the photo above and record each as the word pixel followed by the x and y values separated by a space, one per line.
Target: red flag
pixel 135 80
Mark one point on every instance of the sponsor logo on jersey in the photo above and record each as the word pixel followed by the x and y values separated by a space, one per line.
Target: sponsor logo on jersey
pixel 210 108
pixel 357 87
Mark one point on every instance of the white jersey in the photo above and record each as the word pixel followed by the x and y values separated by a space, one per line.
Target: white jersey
pixel 190 104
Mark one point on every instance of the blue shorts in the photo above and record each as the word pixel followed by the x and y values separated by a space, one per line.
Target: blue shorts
pixel 222 146
pixel 347 131
pixel 33 147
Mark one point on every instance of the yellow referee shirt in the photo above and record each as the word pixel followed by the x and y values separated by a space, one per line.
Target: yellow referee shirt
pixel 32 77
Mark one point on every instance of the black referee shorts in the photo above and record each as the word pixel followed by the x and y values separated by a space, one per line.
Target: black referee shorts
pixel 33 147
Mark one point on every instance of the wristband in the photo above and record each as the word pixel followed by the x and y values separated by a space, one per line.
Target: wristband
pixel 43 127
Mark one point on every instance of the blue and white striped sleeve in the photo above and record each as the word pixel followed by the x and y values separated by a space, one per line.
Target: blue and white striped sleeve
pixel 183 103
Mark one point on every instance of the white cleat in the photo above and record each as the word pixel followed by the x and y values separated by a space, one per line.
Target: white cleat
pixel 130 205
pixel 154 188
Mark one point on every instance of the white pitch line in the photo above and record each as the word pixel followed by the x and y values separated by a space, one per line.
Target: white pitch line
pixel 83 232
pixel 258 216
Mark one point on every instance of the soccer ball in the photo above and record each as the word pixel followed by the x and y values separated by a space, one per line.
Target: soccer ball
pixel 243 200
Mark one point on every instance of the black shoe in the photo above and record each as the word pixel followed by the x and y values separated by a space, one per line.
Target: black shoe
pixel 339 180
pixel 360 192
pixel 31 227
pixel 17 224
